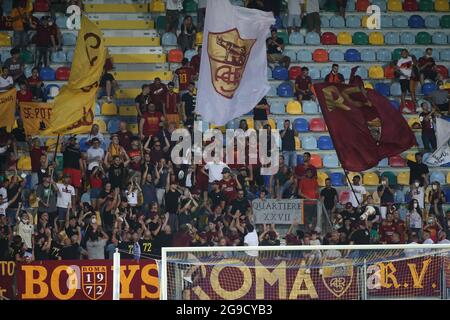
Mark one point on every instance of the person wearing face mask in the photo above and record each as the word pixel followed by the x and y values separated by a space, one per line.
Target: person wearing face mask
pixel 417 193
pixel 436 197
pixel 418 170
pixel 414 219
pixel 25 226
pixel 427 66
pixel 386 195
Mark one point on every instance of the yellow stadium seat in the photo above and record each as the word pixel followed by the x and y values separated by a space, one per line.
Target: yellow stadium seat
pixel 411 157
pixel 376 72
pixel 272 123
pixel 157 6
pixel 447 85
pixel 129 93
pixel 298 144
pixel 199 38
pixel 125 24
pixel 321 177
pixel 441 5
pixel 414 123
pixel 364 21
pixel 128 111
pixel 395 5
pixel 142 75
pixel 344 38
pixel 403 178
pixel 116 8
pixel 108 109
pixel 351 175
pixel 221 128
pixel 101 125
pixel 376 38
pixel 5 40
pixel 132 41
pixel 250 123
pixel 134 129
pixel 139 58
pixel 51 144
pixel 24 163
pixel 368 85
pixel 371 179
pixel 448 177
pixel 294 107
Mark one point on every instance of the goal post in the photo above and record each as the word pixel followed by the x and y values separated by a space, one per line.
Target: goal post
pixel 351 272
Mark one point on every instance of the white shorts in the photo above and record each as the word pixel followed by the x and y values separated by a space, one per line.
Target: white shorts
pixel 294 20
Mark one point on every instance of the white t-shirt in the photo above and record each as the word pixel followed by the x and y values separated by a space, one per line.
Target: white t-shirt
pixel 94 157
pixel 415 220
pixel 6 82
pixel 360 191
pixel 294 7
pixel 445 241
pixel 215 170
pixel 64 195
pixel 251 239
pixel 4 193
pixel 428 241
pixel 419 195
pixel 405 65
pixel 174 5
pixel 311 6
pixel 25 231
pixel 132 198
pixel 3 207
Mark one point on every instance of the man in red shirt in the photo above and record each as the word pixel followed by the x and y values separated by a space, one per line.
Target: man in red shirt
pixel 427 66
pixel 124 135
pixel 303 85
pixel 45 38
pixel 334 76
pixel 24 94
pixel 185 75
pixel 300 169
pixel 229 186
pixel 195 61
pixel 151 122
pixel 173 102
pixel 308 186
pixel 158 92
pixel 387 229
pixel 36 85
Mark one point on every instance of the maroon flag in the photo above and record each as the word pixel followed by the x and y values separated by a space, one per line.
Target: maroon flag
pixel 363 125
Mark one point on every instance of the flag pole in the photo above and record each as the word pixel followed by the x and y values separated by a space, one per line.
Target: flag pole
pixel 56 148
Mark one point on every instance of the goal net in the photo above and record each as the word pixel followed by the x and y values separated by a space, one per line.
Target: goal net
pixel 355 272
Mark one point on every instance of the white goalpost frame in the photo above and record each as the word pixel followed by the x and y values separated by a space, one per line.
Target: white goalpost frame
pixel 166 250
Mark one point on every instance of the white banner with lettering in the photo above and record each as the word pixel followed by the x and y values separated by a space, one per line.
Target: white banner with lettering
pixel 277 211
pixel 442 155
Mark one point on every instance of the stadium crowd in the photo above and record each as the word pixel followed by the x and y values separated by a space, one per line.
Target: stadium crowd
pixel 130 195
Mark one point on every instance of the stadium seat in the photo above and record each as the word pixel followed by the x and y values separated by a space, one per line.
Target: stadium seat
pixel 277 108
pixel 69 39
pixel 269 73
pixel 24 163
pixel 278 23
pixel 403 178
pixel 423 38
pixel 386 21
pixel 113 125
pixel 188 54
pixel 296 38
pixel 330 6
pixel 328 38
pixel 300 159
pixel 352 55
pixel 316 161
pixel 62 74
pixel 445 55
pixel 157 6
pixel 383 89
pixel 392 38
pixel 368 55
pixel 371 179
pixel 428 87
pixel 324 71
pixel 442 70
pixel 58 57
pixel 310 107
pixel 109 109
pixel 353 22
pixel 102 125
pixel 360 38
pixel 321 177
pixel 400 22
pixel 298 145
pixel 414 123
pixel 128 111
pixel 345 71
pixel 285 90
pixel 336 55
pixel 432 22
pixel 383 163
pixel 294 72
pixel 395 5
pixel 280 73
pixel 312 38
pixel 383 55
pixel 376 38
pixel 447 194
pixel 368 85
pixel 301 125
pixel 175 56
pixel 426 5
pixel 317 125
pixel 41 6
pixel 437 176
pixel 337 179
pixel 27 57
pixel 376 72
pixel 314 73
pixel 331 161
pixel 84 146
pixel 47 74
pixel 337 22
pixel 397 161
pixel 361 5
pixel 283 35
pixel 389 72
pixel 309 143
pixel 392 178
pixel 439 38
pixel 272 91
pixel 407 38
pixel 344 195
pixel 395 104
pixel 169 39
pixel 51 91
pixel 190 6
pixel 396 89
pixel 396 54
pixel 294 107
pixel 320 55
pixel 304 56
pixel 324 21
pixel 69 55
pixel 325 143
pixel 291 54
pixel 445 22
pixel 161 23
pixel 441 6
pixel 410 5
pixel 416 22
pixel 344 38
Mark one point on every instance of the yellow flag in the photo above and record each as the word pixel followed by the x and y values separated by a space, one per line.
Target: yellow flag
pixel 7 109
pixel 73 111
pixel 36 117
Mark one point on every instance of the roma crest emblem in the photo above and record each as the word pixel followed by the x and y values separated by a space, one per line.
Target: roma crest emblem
pixel 338 277
pixel 93 281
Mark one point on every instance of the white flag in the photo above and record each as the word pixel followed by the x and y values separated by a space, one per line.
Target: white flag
pixel 442 154
pixel 233 69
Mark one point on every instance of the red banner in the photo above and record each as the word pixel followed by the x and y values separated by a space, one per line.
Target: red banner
pixel 87 280
pixel 7 269
pixel 419 277
pixel 269 279
pixel 447 272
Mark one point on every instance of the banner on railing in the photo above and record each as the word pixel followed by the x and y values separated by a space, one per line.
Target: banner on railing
pixel 282 211
pixel 7 270
pixel 87 280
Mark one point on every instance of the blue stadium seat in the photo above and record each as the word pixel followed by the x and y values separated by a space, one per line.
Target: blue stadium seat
pixel 439 38
pixel 296 38
pixel 83 144
pixel 324 21
pixel 337 22
pixel 331 161
pixel 436 53
pixel 384 55
pixel 310 107
pixel 285 90
pixel 278 108
pixel 69 55
pixel 418 52
pixel 291 54
pixel 51 91
pixel 395 104
pixel 407 38
pixel 312 38
pixel 280 124
pixel 325 71
pixel 392 38
pixel 97 109
pixel 337 179
pixel 386 21
pixel 61 22
pixel 304 56
pixel 189 54
pixel 381 4
pixel 383 163
pixel 325 143
pixel 309 143
pixel 396 89
pixel 278 23
pixel 445 55
pixel 69 39
pixel 399 196
pixel 432 22
pixel 169 39
pixel 425 156
pixel 437 176
pixel 300 159
pixel 314 73
pixel 351 4
pixel 47 74
pixel 383 89
pixel 28 70
pixel 416 22
pixel 58 57
pixel 269 73
pixel 353 22
pixel 336 55
pixel 368 55
pixel 301 125
pixel 352 55
pixel 345 71
pixel 362 72
pixel 113 125
pixel 428 87
pixel 447 194
pixel 400 22
pixel 280 73
pixel 272 91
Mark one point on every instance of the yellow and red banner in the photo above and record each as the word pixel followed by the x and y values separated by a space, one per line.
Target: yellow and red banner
pixel 7 109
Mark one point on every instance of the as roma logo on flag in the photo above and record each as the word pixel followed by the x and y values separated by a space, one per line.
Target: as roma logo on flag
pixel 94 281
pixel 228 55
pixel 338 277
